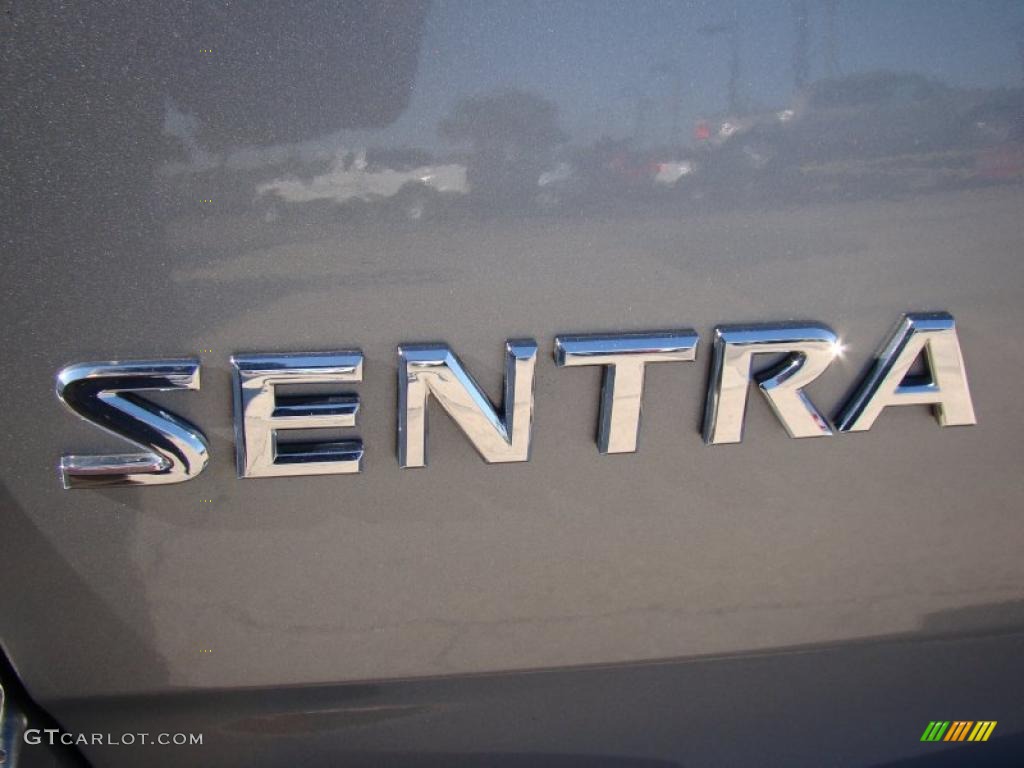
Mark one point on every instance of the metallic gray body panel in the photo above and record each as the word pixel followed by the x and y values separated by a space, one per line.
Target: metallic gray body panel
pixel 574 558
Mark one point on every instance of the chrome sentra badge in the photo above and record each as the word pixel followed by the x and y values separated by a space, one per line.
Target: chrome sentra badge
pixel 945 388
pixel 174 451
pixel 624 357
pixel 261 413
pixel 809 350
pixel 433 369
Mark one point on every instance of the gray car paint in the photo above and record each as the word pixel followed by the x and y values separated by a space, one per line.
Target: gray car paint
pixel 884 558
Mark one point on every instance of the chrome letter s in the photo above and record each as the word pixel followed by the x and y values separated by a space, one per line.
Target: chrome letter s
pixel 104 394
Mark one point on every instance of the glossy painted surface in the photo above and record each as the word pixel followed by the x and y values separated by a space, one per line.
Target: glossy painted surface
pixel 137 226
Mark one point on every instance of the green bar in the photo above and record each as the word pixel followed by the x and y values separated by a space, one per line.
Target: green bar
pixel 940 732
pixel 931 725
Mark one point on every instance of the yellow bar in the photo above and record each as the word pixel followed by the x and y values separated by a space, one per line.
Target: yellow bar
pixel 988 731
pixel 981 725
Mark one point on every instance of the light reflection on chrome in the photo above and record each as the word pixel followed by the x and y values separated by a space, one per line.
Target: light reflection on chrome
pixel 945 387
pixel 624 357
pixel 433 369
pixel 103 393
pixel 809 349
pixel 262 413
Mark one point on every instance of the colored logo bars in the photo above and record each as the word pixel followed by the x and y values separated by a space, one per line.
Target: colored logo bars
pixel 958 730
